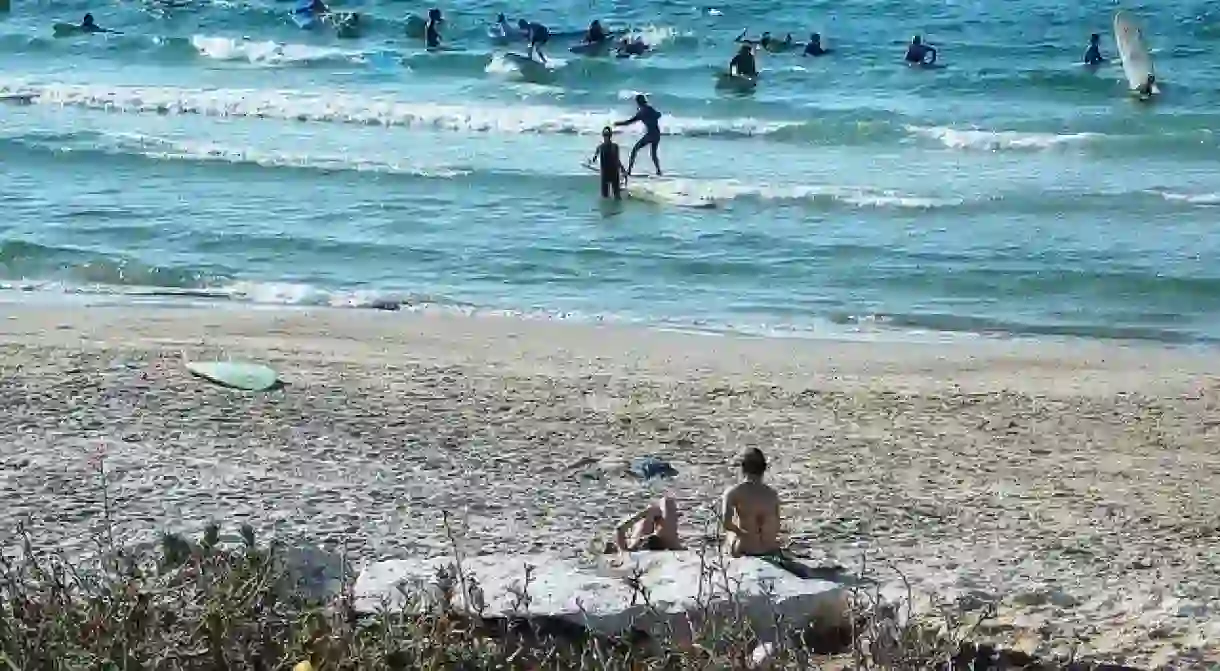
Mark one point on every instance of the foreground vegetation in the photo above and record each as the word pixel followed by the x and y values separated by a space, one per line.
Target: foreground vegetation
pixel 205 604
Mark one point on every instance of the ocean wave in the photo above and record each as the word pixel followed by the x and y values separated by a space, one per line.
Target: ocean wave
pixel 1191 198
pixel 987 140
pixel 268 52
pixel 819 195
pixel 372 111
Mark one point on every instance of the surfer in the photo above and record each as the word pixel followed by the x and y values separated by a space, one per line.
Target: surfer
pixel 628 48
pixel 814 47
pixel 538 35
pixel 918 53
pixel 88 25
pixel 1148 88
pixel 743 64
pixel 432 34
pixel 596 34
pixel 502 26
pixel 651 118
pixel 610 165
pixel 1092 55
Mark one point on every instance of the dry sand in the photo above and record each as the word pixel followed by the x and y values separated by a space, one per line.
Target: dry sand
pixel 1075 482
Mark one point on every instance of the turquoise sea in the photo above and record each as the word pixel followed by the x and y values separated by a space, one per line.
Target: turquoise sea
pixel 216 153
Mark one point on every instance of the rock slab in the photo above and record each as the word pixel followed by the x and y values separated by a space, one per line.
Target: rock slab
pixel 605 594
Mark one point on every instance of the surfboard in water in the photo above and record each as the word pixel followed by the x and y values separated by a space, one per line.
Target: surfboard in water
pixel 659 191
pixel 1137 63
pixel 737 83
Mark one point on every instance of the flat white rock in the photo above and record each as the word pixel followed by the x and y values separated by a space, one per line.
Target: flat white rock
pixel 595 594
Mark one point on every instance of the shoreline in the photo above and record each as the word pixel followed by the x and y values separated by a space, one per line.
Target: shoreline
pixel 822 329
pixel 1069 481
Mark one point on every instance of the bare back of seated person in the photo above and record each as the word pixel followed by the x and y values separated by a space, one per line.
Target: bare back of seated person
pixel 750 511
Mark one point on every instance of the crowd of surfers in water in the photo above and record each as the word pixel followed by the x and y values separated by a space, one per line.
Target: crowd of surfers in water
pixel 606 158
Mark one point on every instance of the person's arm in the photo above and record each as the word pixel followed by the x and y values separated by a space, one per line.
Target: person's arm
pixel 932 50
pixel 726 515
pixel 628 122
pixel 620 532
pixel 742 36
pixel 596 152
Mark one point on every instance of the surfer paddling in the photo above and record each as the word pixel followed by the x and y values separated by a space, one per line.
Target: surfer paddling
pixel 88 25
pixel 610 165
pixel 651 118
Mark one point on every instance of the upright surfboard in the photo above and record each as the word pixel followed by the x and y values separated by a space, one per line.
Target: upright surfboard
pixel 1137 63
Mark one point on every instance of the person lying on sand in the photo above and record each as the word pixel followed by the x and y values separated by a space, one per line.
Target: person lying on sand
pixel 653 528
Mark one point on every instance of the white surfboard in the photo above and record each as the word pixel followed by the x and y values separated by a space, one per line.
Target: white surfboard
pixel 659 191
pixel 1137 63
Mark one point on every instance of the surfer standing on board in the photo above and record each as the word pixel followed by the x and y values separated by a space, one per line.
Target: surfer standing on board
pixel 651 118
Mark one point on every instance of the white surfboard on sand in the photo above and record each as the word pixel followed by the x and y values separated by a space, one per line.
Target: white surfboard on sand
pixel 1137 63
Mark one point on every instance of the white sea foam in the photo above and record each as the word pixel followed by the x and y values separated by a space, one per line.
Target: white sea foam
pixel 1192 198
pixel 999 140
pixel 181 150
pixel 855 196
pixel 327 106
pixel 265 52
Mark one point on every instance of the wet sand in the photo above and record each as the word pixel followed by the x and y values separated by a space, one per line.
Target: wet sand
pixel 1075 482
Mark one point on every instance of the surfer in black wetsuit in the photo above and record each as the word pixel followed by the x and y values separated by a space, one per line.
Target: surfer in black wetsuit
pixel 651 118
pixel 596 34
pixel 610 165
pixel 1092 55
pixel 1148 88
pixel 538 36
pixel 918 52
pixel 814 47
pixel 628 48
pixel 432 34
pixel 88 25
pixel 743 64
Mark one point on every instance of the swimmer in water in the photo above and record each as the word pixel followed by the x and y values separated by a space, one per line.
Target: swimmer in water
pixel 1092 55
pixel 918 53
pixel 814 47
pixel 743 64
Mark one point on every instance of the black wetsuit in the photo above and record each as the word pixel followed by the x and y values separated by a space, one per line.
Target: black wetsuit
pixel 608 164
pixel 651 118
pixel 744 65
pixel 432 37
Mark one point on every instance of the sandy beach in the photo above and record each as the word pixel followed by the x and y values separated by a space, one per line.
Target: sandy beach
pixel 1074 482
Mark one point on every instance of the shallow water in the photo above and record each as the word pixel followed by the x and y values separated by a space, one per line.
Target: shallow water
pixel 218 152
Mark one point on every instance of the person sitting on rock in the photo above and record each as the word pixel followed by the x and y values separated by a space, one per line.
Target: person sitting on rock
pixel 653 528
pixel 749 510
